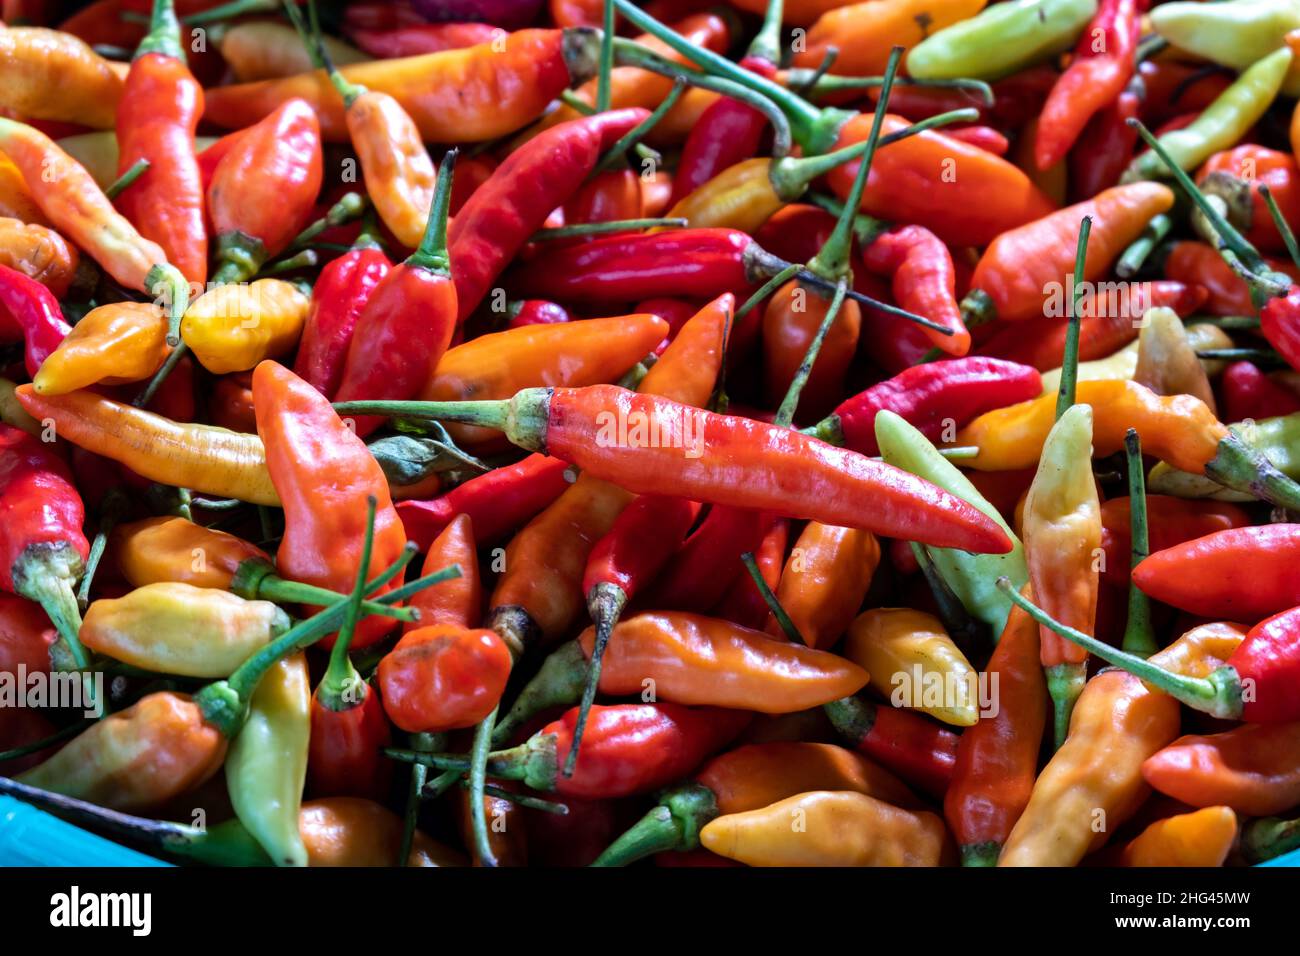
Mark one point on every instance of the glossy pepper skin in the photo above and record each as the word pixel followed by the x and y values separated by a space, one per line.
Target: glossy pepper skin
pixel 920 751
pixel 419 38
pixel 1252 768
pixel 864 32
pixel 408 320
pixel 42 548
pixel 941 183
pixel 842 828
pixel 706 661
pixel 111 345
pixel 928 396
pixel 1170 522
pixel 1117 724
pixel 1202 838
pixel 1280 324
pixel 178 628
pixel 263 189
pixel 791 320
pixel 1103 62
pixel 338 298
pixel 206 459
pixel 1236 174
pixel 1110 144
pixel 627 748
pixel 323 474
pixel 30 311
pixel 162 549
pixel 1250 394
pixel 460 600
pixel 924 281
pixel 38 252
pixel 465 95
pixel 352 831
pixel 497 502
pixel 54 75
pixel 136 759
pixel 825 581
pixel 156 121
pixel 1021 267
pixel 232 328
pixel 343 751
pixel 517 198
pixel 997 758
pixel 1240 573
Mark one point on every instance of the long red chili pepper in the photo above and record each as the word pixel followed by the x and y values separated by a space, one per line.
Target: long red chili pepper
pixel 338 298
pixel 705 564
pixel 497 502
pixel 42 548
pixel 1103 62
pixel 924 281
pixel 919 750
pixel 1110 142
pixel 408 321
pixel 931 396
pixel 674 449
pixel 156 120
pixel 30 312
pixel 520 194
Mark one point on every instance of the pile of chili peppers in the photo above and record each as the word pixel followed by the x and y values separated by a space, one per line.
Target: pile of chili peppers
pixel 608 432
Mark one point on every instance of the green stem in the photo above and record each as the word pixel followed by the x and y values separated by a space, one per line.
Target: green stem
pixel 606 603
pixel 341 680
pixel 228 11
pixel 630 53
pixel 111 510
pixel 426 743
pixel 315 46
pixel 1219 694
pixel 768 287
pixel 558 683
pixel 787 625
pixel 138 169
pixel 523 800
pixel 1283 227
pixel 349 207
pixel 633 136
pixel 164 34
pixel 175 290
pixel 477 787
pixel 1139 637
pixel 813 85
pixel 790 404
pixel 432 256
pixel 255 579
pixel 305 259
pixel 1070 362
pixel 967 633
pixel 673 825
pixel 833 259
pixel 604 77
pixel 46 574
pixel 1135 256
pixel 766 44
pixel 604 228
pixel 1258 356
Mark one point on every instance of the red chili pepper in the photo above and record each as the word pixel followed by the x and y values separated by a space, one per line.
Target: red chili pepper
pixel 540 312
pixel 1170 522
pixel 263 189
pixel 25 636
pixel 889 341
pixel 42 548
pixel 727 132
pixel 1102 64
pixel 918 750
pixel 520 194
pixel 627 748
pixel 743 603
pixel 414 39
pixel 930 396
pixel 1246 392
pixel 338 298
pixel 343 756
pixel 1108 147
pixel 924 280
pixel 985 137
pixel 471 173
pixel 30 312
pixel 1280 323
pixel 1237 174
pixel 606 197
pixel 156 120
pixel 1042 344
pixel 676 312
pixel 498 502
pixel 796 232
pixel 1239 574
pixel 406 324
pixel 1020 97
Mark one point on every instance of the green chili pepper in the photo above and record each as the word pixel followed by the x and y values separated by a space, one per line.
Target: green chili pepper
pixel 1277 438
pixel 1003 39
pixel 1236 34
pixel 266 765
pixel 972 577
pixel 1223 122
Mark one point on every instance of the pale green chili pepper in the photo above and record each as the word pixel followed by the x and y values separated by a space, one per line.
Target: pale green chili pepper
pixel 1223 122
pixel 1236 34
pixel 972 577
pixel 1003 39
pixel 1277 438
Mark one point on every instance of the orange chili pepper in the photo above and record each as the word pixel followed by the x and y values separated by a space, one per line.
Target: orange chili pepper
pixel 112 345
pixel 38 253
pixel 15 200
pixel 825 580
pixel 165 549
pixel 864 32
pixel 51 75
pixel 352 831
pixel 1252 768
pixel 793 315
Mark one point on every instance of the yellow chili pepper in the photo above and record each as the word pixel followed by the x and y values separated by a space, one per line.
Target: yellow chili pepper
pixel 830 828
pixel 266 766
pixel 1123 363
pixel 164 549
pixel 740 197
pixel 233 327
pixel 1167 362
pixel 38 253
pixel 178 628
pixel 203 458
pixel 1094 782
pixel 912 660
pixel 1062 535
pixel 52 75
pixel 112 345
pixel 15 200
pixel 1202 838
pixel 1178 429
